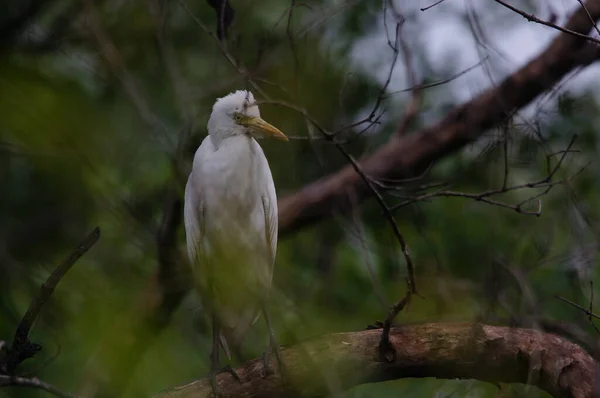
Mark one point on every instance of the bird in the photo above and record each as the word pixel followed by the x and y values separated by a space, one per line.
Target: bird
pixel 231 223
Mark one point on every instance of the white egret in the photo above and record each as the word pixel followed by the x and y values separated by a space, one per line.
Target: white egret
pixel 231 221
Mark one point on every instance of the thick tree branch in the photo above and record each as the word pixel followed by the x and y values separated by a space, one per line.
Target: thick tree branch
pixel 404 156
pixel 459 350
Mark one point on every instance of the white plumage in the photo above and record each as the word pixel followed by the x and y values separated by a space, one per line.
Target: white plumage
pixel 231 217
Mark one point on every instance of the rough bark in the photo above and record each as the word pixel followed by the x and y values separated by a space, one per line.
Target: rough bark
pixel 403 156
pixel 458 350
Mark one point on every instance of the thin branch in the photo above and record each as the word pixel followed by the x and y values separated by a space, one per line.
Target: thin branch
pixel 505 153
pixel 389 216
pixel 329 136
pixel 579 307
pixel 431 6
pixel 386 349
pixel 288 31
pixel 485 196
pixel 413 106
pixel 545 183
pixel 362 238
pixel 21 347
pixel 240 68
pixel 533 18
pixel 439 82
pixel 589 16
pixel 116 63
pixel 225 14
pixel 590 320
pixel 395 47
pixel 34 382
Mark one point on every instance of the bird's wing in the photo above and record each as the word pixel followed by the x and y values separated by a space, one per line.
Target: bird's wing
pixel 193 214
pixel 271 223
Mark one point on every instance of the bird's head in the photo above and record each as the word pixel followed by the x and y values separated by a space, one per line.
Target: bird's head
pixel 236 114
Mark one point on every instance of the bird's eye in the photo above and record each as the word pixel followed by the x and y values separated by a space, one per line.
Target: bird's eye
pixel 237 117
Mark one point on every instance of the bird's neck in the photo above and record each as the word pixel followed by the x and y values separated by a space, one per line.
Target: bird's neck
pixel 218 137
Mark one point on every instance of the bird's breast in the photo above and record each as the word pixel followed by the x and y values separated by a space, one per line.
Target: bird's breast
pixel 233 195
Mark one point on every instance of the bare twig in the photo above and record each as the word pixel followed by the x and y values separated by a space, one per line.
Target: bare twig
pixel 546 183
pixel 225 15
pixel 238 67
pixel 413 106
pixel 476 197
pixel 505 153
pixel 34 382
pixel 590 320
pixel 115 61
pixel 288 31
pixel 533 18
pixel 179 85
pixel 21 347
pixel 431 6
pixel 589 16
pixel 389 217
pixel 362 238
pixel 395 47
pixel 439 82
pixel 326 133
pixel 386 349
pixel 579 307
pixel 327 16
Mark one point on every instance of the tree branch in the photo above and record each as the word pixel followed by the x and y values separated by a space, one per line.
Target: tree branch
pixel 456 350
pixel 225 15
pixel 404 156
pixel 533 18
pixel 35 383
pixel 21 347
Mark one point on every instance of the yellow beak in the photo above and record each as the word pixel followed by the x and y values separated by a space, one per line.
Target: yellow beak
pixel 259 125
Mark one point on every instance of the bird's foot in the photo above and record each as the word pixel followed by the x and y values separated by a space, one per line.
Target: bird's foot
pixel 267 371
pixel 213 377
pixel 376 325
pixel 213 383
pixel 231 371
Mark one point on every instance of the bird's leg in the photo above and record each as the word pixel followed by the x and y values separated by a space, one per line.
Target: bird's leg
pixel 231 371
pixel 214 356
pixel 273 347
pixel 214 359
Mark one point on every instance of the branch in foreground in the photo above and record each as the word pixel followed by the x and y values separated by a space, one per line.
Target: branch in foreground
pixel 456 350
pixel 405 156
pixel 16 381
pixel 21 347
